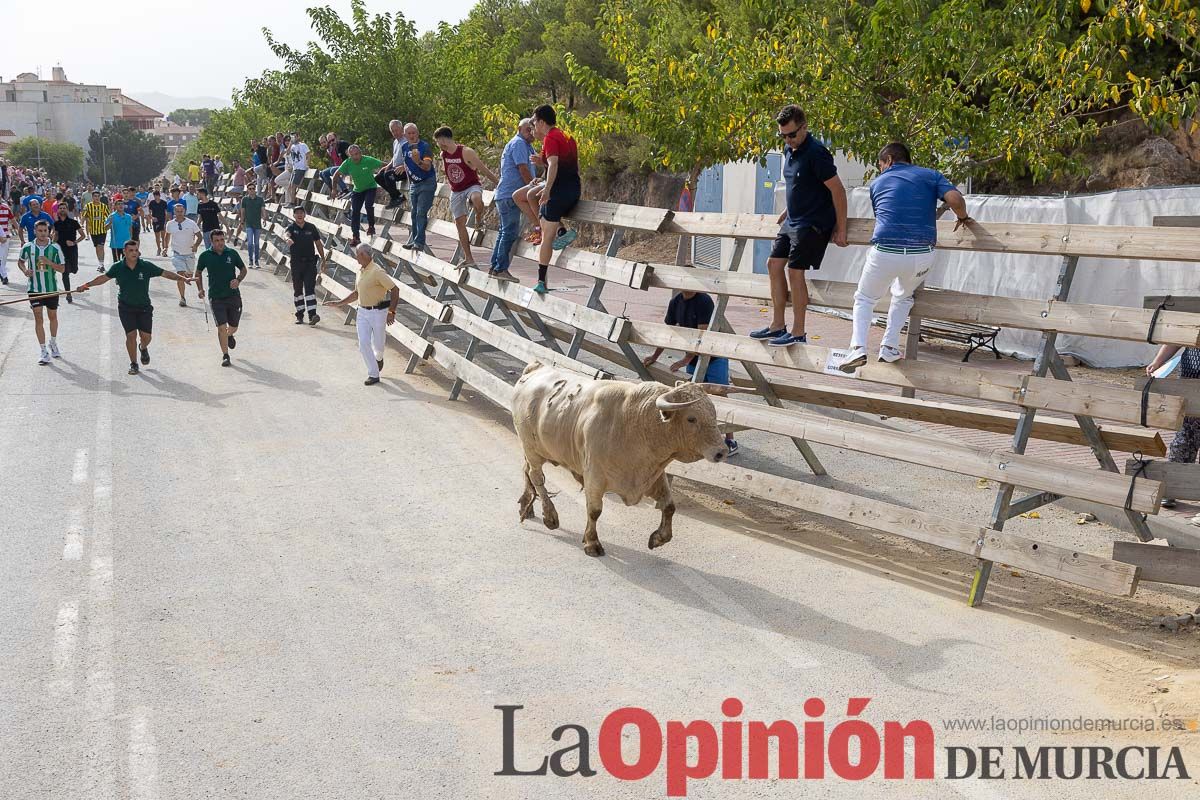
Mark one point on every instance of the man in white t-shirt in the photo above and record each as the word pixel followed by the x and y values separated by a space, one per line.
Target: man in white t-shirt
pixel 298 153
pixel 185 239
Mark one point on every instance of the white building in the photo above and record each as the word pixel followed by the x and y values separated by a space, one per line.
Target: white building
pixel 173 137
pixel 62 111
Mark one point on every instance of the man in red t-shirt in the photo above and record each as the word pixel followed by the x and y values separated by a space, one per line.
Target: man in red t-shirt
pixel 561 191
pixel 462 166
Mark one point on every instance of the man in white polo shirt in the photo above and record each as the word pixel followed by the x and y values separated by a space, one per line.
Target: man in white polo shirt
pixel 185 239
pixel 299 161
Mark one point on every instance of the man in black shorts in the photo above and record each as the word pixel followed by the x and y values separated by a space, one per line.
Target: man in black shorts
pixel 222 264
pixel 158 219
pixel 67 235
pixel 133 275
pixel 815 215
pixel 304 246
pixel 210 216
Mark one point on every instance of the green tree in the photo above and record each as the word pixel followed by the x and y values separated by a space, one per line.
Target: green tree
pixel 185 155
pixel 131 157
pixel 62 161
pixel 197 117
pixel 230 130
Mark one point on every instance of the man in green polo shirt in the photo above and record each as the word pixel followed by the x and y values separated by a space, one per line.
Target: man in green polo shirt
pixel 361 170
pixel 133 275
pixel 222 264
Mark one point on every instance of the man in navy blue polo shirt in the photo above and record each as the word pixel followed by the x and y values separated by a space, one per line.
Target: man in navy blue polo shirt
pixel 815 214
pixel 905 200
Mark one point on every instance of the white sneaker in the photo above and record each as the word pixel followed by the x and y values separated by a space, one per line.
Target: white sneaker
pixel 890 355
pixel 855 359
pixel 54 349
pixel 45 357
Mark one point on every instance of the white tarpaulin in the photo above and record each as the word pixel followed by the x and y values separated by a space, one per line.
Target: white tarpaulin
pixel 1103 281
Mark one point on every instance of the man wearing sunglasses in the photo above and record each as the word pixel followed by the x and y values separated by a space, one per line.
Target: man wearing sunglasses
pixel 815 214
pixel 905 200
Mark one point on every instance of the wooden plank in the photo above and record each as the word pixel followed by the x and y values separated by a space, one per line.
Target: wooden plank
pixel 620 215
pixel 1110 322
pixel 962 537
pixel 1176 222
pixel 1126 440
pixel 1098 241
pixel 1186 389
pixel 1180 481
pixel 476 376
pixel 1187 304
pixel 1178 565
pixel 606 326
pixel 1120 405
pixel 517 346
pixel 995 464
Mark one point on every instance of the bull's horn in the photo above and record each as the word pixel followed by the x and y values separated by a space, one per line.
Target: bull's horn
pixel 663 404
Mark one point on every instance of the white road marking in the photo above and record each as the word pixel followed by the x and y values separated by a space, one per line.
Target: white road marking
pixel 143 757
pixel 100 692
pixel 79 473
pixel 66 634
pixel 755 627
pixel 73 544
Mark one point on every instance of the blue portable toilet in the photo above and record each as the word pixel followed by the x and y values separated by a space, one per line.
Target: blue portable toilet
pixel 710 188
pixel 766 176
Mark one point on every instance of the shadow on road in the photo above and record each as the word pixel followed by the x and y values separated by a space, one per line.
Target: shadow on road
pixel 275 379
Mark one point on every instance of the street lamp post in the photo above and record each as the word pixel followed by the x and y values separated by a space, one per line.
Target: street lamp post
pixel 103 160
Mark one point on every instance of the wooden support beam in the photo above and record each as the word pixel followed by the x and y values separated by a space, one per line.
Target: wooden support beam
pixel 1098 241
pixel 620 215
pixel 1107 402
pixel 1037 557
pixel 1178 565
pixel 996 464
pixel 1180 481
pixel 1186 390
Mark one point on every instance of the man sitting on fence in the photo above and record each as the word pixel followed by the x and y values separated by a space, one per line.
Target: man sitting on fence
pixel 694 310
pixel 905 199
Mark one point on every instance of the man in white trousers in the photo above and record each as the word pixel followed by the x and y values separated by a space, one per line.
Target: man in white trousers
pixel 905 199
pixel 377 297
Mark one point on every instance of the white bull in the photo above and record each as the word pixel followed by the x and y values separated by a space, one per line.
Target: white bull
pixel 614 436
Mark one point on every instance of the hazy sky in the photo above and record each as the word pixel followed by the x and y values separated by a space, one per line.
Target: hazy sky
pixel 170 46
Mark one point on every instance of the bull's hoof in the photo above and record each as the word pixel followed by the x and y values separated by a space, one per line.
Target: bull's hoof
pixel 658 539
pixel 550 519
pixel 526 511
pixel 594 549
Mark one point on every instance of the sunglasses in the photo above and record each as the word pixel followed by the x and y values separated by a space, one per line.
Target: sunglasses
pixel 790 134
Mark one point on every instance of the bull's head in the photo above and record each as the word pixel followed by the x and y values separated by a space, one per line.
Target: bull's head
pixel 693 421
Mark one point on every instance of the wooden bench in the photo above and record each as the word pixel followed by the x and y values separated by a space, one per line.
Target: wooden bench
pixel 974 336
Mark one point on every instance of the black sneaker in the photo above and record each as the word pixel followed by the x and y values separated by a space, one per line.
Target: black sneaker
pixel 232 342
pixel 225 359
pixel 4 281
pixel 314 319
pixel 370 381
pixel 145 354
pixel 133 368
pixel 299 319
pixel 182 303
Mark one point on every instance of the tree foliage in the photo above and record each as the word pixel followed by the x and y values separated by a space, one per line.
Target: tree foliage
pixel 133 156
pixel 999 87
pixel 62 161
pixel 197 117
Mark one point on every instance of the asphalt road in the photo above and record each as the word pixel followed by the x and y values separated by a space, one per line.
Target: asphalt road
pixel 273 582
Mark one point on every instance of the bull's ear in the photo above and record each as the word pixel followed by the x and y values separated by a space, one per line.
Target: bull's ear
pixel 665 416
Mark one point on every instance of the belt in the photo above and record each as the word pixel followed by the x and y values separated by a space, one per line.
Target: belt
pixel 904 251
pixel 380 306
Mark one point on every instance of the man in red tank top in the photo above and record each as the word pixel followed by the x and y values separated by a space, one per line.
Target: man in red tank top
pixel 462 166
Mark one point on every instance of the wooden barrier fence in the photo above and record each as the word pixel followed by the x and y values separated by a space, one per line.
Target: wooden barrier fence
pixel 440 297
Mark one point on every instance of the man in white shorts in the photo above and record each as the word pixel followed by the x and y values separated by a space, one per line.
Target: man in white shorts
pixel 462 166
pixel 185 239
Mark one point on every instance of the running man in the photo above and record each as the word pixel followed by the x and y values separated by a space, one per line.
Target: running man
pixel 158 220
pixel 95 219
pixel 562 188
pixel 185 237
pixel 377 297
pixel 6 219
pixel 462 167
pixel 120 227
pixel 42 262
pixel 133 275
pixel 304 245
pixel 222 263
pixel 67 234
pixel 31 218
pixel 210 216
